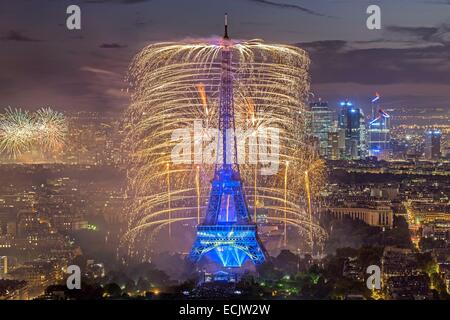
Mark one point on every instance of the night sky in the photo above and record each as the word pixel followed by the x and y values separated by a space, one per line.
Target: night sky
pixel 44 64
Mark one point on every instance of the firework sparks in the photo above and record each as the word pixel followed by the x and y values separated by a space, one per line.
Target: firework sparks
pixel 16 132
pixel 52 128
pixel 176 84
pixel 20 131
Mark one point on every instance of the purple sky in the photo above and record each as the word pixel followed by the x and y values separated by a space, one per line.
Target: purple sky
pixel 44 64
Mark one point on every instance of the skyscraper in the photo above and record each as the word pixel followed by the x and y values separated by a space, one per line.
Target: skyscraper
pixel 363 143
pixel 321 118
pixel 351 123
pixel 380 136
pixel 433 144
pixel 334 144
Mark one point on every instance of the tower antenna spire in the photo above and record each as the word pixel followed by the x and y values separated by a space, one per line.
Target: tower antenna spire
pixel 226 27
pixel 227 231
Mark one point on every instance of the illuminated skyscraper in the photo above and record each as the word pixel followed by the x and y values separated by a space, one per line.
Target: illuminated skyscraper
pixel 363 137
pixel 380 136
pixel 351 123
pixel 321 118
pixel 335 145
pixel 433 144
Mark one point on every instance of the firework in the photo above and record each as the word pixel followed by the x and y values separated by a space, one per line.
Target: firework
pixel 16 132
pixel 51 129
pixel 176 84
pixel 21 131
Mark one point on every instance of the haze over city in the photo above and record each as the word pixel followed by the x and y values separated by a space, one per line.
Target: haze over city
pixel 263 150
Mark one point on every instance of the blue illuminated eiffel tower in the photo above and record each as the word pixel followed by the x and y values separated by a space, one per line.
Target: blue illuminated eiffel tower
pixel 227 235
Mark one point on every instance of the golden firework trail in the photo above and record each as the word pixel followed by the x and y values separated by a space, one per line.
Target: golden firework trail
pixel 21 131
pixel 175 84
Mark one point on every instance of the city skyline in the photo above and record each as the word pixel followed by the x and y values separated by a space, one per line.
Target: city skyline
pixel 282 151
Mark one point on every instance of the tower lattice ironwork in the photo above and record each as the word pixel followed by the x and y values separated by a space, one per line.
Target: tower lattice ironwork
pixel 227 234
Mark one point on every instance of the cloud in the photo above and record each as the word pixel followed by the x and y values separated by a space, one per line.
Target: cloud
pixel 117 1
pixel 112 46
pixel 287 6
pixel 98 71
pixel 405 55
pixel 424 33
pixel 117 93
pixel 439 2
pixel 438 34
pixel 338 61
pixel 325 45
pixel 13 35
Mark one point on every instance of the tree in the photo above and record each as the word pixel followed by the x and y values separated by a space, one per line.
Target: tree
pixel 113 290
pixel 426 263
pixel 130 286
pixel 268 272
pixel 158 277
pixel 286 261
pixel 87 292
pixel 370 255
pixel 439 286
pixel 142 284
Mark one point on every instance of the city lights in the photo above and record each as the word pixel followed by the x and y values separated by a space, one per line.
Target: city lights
pixel 151 153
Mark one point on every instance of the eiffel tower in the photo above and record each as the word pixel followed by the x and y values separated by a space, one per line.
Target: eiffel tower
pixel 227 234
